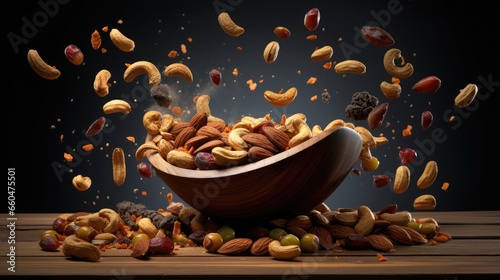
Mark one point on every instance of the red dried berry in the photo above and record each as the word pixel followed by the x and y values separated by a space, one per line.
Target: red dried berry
pixel 311 19
pixel 426 119
pixel 144 170
pixel 381 180
pixel 215 76
pixel 95 127
pixel 407 155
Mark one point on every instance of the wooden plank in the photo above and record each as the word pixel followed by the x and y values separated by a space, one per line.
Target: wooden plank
pixel 449 217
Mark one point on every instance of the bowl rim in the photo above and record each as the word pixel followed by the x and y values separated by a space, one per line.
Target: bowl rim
pixel 161 164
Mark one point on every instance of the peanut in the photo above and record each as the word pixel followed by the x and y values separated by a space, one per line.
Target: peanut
pixel 424 202
pixel 402 179
pixel 350 67
pixel 428 176
pixel 119 170
pixel 271 52
pixel 466 95
pixel 40 67
pixel 229 26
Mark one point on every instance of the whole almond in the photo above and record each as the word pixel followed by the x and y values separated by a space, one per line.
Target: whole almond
pixel 380 242
pixel 186 134
pixel 397 234
pixel 429 84
pixel 198 120
pixel 319 219
pixel 257 153
pixel 340 231
pixel 279 138
pixel 235 246
pixel 210 132
pixel 259 140
pixel 301 221
pixel 176 129
pixel 261 246
pixel 208 146
pixel 377 115
pixel 416 237
pixel 196 141
pixel 219 125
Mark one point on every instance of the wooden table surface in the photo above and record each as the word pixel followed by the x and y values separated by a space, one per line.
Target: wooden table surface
pixel 473 253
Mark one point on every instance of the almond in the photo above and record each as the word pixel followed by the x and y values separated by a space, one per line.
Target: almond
pixel 397 234
pixel 256 153
pixel 301 221
pixel 235 246
pixel 319 219
pixel 259 140
pixel 340 231
pixel 429 84
pixel 176 129
pixel 380 242
pixel 211 132
pixel 325 238
pixel 279 138
pixel 196 141
pixel 208 146
pixel 220 126
pixel 416 237
pixel 296 231
pixel 198 120
pixel 261 246
pixel 186 134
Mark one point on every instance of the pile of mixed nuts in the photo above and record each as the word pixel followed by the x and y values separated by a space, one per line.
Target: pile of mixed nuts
pixel 85 235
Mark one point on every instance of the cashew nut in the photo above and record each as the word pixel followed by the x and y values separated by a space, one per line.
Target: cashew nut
pixel 101 86
pixel 391 91
pixel 152 121
pixel 114 220
pixel 304 133
pixel 139 153
pixel 281 99
pixel 235 140
pixel 180 70
pixel 121 41
pixel 81 183
pixel 81 249
pixel 226 158
pixel 142 67
pixel 366 221
pixel 116 106
pixel 397 72
pixel 287 252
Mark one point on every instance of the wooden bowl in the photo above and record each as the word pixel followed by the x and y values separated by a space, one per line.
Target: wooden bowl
pixel 290 183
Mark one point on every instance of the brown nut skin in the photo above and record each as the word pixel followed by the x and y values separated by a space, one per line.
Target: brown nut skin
pixel 395 71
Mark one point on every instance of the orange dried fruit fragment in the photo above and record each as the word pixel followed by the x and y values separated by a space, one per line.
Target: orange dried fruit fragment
pixel 95 40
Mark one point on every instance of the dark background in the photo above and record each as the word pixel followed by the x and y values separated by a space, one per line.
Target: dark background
pixel 453 40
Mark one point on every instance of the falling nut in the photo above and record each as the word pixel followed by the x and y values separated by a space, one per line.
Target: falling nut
pixel 229 26
pixel 81 183
pixel 350 67
pixel 271 52
pixel 402 179
pixel 323 53
pixel 466 95
pixel 391 91
pixel 397 72
pixel 424 202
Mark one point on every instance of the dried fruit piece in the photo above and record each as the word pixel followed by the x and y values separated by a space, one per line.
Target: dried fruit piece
pixel 407 155
pixel 95 40
pixel 73 54
pixel 377 115
pixel 144 170
pixel 426 119
pixel 381 180
pixel 95 127
pixel 377 36
pixel 311 19
pixel 429 84
pixel 215 76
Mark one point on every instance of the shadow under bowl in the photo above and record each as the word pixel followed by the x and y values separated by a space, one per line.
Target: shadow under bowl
pixel 289 183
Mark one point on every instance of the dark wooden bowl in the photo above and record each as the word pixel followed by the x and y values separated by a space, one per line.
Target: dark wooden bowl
pixel 290 183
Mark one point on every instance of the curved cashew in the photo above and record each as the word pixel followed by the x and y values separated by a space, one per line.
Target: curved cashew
pixel 316 129
pixel 391 91
pixel 397 72
pixel 139 153
pixel 228 25
pixel 167 121
pixel 226 158
pixel 235 140
pixel 101 86
pixel 335 124
pixel 366 221
pixel 114 220
pixel 121 41
pixel 152 121
pixel 304 133
pixel 281 99
pixel 350 67
pixel 41 67
pixel 193 217
pixel 79 248
pixel 116 106
pixel 202 104
pixel 142 67
pixel 181 159
pixel 287 252
pixel 180 70
pixel 164 147
pixel 81 183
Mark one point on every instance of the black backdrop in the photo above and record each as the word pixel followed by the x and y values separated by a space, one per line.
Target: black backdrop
pixel 450 39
